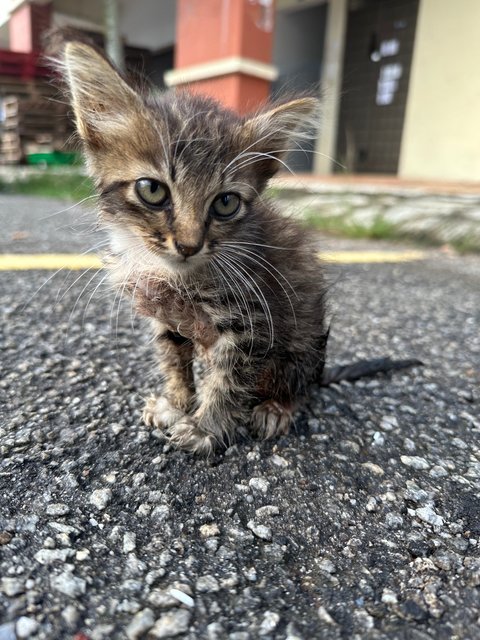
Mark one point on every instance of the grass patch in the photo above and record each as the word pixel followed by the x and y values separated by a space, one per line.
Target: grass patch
pixel 466 245
pixel 380 229
pixel 340 226
pixel 72 186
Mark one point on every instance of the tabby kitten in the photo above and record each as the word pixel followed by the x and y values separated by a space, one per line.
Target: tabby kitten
pixel 225 280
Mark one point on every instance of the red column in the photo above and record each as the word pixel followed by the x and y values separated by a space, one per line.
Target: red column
pixel 27 25
pixel 224 49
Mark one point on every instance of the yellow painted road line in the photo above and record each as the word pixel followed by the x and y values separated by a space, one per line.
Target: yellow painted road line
pixel 73 261
pixel 364 257
pixel 48 261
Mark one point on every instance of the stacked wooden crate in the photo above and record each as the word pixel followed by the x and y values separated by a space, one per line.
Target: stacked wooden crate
pixel 33 121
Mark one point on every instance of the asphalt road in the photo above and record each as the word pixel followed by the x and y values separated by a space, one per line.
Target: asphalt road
pixel 363 523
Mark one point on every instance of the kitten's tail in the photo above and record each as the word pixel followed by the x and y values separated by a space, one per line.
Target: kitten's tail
pixel 364 368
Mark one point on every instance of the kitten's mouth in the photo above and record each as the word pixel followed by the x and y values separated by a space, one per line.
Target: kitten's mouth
pixel 182 263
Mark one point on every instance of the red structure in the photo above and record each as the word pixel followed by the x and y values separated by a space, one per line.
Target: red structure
pixel 24 66
pixel 27 25
pixel 224 49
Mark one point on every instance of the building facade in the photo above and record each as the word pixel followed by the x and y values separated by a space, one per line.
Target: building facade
pixel 397 78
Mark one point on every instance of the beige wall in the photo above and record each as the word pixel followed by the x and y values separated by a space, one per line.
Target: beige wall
pixel 441 136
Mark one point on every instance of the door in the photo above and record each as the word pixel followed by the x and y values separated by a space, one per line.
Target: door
pixel 378 55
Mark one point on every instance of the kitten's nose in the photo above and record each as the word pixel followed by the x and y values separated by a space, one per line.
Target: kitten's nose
pixel 187 251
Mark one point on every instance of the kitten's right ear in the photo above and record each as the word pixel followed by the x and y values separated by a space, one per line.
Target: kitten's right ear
pixel 271 134
pixel 103 103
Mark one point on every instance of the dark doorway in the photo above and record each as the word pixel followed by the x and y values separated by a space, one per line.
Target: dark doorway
pixel 378 55
pixel 298 50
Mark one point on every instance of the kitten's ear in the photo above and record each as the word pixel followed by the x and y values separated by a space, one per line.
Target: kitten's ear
pixel 275 132
pixel 104 104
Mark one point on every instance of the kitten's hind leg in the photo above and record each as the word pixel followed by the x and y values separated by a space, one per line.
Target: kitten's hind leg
pixel 281 383
pixel 271 419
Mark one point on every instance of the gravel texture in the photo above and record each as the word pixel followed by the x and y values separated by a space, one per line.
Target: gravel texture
pixel 363 523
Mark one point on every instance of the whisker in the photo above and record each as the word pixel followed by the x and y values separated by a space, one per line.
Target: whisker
pixel 243 152
pixel 102 280
pixel 73 283
pixel 80 295
pixel 255 288
pixel 249 256
pixel 236 279
pixel 268 246
pixel 258 157
pixel 76 204
pixel 263 259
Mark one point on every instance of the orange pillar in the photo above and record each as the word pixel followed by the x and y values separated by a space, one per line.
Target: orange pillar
pixel 27 24
pixel 224 49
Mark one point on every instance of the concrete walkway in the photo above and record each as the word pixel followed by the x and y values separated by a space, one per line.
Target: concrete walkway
pixel 438 213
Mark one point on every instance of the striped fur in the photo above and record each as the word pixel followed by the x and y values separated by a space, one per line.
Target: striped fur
pixel 249 305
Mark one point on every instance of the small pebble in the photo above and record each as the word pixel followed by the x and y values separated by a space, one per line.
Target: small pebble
pixel 428 515
pixel 100 498
pixel 209 530
pixel 171 624
pixel 49 556
pixel 327 566
pixel 378 439
pixel 57 509
pixel 70 614
pixel 260 530
pixel 259 484
pixel 373 468
pixel 416 462
pixel 267 511
pixel 388 423
pixel 129 542
pixel 393 520
pixel 438 472
pixel 11 587
pixel 215 631
pixel 207 584
pixel 69 584
pixel 389 597
pixel 5 537
pixel 250 574
pixel 279 461
pixel 325 616
pixel 161 513
pixel 182 597
pixel 140 624
pixel 269 623
pixel 26 627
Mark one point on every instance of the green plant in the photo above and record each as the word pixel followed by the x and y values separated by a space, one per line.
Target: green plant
pixel 74 186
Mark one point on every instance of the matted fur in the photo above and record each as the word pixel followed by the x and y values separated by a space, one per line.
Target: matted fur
pixel 249 302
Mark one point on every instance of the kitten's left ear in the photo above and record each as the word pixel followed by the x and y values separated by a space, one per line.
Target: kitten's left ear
pixel 273 133
pixel 104 104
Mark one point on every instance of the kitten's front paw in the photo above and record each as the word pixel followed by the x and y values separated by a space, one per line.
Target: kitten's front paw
pixel 160 413
pixel 271 419
pixel 186 435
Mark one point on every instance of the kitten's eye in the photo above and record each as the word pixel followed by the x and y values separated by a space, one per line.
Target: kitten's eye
pixel 151 192
pixel 225 205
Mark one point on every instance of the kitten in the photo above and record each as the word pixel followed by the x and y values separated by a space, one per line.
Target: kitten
pixel 224 279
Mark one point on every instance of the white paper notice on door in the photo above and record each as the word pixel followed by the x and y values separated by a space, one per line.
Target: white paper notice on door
pixel 387 84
